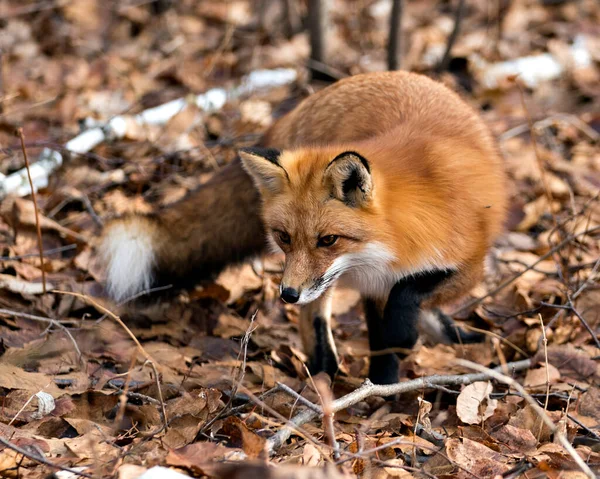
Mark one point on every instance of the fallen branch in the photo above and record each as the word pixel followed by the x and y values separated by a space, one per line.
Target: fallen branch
pixel 369 389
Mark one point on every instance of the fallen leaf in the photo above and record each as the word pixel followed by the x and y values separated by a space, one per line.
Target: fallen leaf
pixel 473 405
pixel 537 378
pixel 476 458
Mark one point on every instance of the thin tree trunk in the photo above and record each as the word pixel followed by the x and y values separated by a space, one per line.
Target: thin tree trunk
pixel 394 58
pixel 317 24
pixel 460 10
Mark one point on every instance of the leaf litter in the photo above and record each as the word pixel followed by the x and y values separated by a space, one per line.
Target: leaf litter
pixel 77 393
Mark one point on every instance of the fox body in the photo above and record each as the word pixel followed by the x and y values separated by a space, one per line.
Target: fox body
pixel 388 181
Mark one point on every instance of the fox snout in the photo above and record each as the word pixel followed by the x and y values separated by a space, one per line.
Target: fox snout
pixel 303 294
pixel 289 295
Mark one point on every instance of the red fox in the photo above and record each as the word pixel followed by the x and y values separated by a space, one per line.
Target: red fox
pixel 388 181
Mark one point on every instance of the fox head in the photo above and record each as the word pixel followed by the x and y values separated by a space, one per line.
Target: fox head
pixel 317 206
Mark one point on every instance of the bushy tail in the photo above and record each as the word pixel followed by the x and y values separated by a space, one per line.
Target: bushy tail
pixel 129 249
pixel 195 238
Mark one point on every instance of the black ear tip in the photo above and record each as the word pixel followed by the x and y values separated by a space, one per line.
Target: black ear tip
pixel 269 154
pixel 354 154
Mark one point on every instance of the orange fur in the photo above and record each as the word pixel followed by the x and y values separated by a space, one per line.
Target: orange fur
pixel 438 182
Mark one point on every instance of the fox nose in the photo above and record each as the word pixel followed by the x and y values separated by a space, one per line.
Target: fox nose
pixel 290 295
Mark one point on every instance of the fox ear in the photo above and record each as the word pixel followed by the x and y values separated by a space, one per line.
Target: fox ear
pixel 262 164
pixel 349 177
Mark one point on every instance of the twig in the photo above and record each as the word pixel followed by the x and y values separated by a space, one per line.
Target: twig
pixel 538 156
pixel 458 17
pixel 124 392
pixel 509 281
pixel 395 36
pixel 326 401
pixel 41 460
pixel 19 314
pixel 23 407
pixel 569 307
pixel 242 371
pixel 591 432
pixel 47 252
pixel 588 281
pixel 98 306
pixel 545 342
pixel 35 206
pixel 536 407
pixel 369 389
pixel 160 395
pixel 53 322
pixel 288 422
pixel 299 398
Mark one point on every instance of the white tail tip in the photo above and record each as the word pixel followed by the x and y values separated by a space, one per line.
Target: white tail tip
pixel 128 249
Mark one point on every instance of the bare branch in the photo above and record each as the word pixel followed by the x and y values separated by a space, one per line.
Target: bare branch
pixel 369 389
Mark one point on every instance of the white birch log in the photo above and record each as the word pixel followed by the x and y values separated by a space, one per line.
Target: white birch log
pixel 211 101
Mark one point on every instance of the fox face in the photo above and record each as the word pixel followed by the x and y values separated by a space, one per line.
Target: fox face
pixel 317 208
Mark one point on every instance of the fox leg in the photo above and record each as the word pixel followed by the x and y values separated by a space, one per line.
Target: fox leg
pixel 393 327
pixel 317 337
pixel 393 323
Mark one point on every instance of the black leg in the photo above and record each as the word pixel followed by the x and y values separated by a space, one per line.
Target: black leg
pixel 383 367
pixel 324 358
pixel 396 328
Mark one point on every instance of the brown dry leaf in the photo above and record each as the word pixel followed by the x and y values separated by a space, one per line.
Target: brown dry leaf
pixel 570 361
pixel 528 418
pixel 239 281
pixel 393 468
pixel 311 456
pixel 92 445
pixel 533 212
pixel 537 378
pixel 189 414
pixel 200 457
pixel 473 405
pixel 12 377
pixel 237 12
pixel 589 404
pixel 229 326
pixel 475 458
pixel 517 440
pixel 252 444
pixel 23 212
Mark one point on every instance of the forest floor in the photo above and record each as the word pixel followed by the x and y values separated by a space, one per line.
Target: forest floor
pixel 207 386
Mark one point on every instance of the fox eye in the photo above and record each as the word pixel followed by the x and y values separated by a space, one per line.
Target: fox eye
pixel 325 241
pixel 283 237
